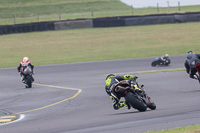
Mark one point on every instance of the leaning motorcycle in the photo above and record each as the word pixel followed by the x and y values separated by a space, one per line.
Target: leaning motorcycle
pixel 27 74
pixel 160 62
pixel 137 98
pixel 197 67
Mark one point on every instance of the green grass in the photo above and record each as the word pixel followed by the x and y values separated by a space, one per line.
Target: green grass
pixel 187 129
pixel 55 47
pixel 27 11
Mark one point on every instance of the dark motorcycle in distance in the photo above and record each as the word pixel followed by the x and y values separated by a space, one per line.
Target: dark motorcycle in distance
pixel 158 61
pixel 137 98
pixel 27 74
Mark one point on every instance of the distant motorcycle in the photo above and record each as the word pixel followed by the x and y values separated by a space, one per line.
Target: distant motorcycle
pixel 138 99
pixel 27 77
pixel 160 62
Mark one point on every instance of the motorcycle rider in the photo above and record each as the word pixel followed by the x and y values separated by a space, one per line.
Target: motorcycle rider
pixel 190 63
pixel 22 65
pixel 164 58
pixel 111 83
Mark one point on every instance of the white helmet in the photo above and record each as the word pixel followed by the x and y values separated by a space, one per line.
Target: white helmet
pixel 166 55
pixel 25 59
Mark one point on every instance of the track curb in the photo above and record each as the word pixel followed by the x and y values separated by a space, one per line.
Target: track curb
pixel 6 117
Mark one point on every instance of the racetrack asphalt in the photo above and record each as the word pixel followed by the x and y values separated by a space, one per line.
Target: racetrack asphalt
pixel 70 98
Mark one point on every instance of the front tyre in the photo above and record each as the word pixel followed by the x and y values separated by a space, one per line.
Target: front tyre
pixel 152 106
pixel 135 103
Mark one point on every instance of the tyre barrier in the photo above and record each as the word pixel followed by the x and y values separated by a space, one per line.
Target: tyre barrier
pixel 149 20
pixel 102 22
pixel 109 22
pixel 189 17
pixel 74 24
pixel 23 28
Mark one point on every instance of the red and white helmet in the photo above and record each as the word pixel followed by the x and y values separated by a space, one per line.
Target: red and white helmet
pixel 25 59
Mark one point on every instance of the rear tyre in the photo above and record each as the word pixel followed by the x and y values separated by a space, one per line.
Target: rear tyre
pixel 135 103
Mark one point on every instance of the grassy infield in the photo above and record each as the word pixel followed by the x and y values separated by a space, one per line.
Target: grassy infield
pixel 67 46
pixel 99 44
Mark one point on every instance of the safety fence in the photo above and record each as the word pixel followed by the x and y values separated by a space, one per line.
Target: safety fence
pixel 102 22
pixel 23 28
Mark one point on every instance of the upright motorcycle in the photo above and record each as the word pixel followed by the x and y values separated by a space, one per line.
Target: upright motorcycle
pixel 137 98
pixel 160 62
pixel 27 74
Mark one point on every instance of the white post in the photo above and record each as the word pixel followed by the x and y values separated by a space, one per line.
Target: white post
pixel 179 6
pixel 132 9
pixel 14 17
pixel 168 6
pixel 157 7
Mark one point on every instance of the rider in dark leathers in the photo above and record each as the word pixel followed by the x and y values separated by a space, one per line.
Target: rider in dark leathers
pixel 111 81
pixel 190 63
pixel 164 58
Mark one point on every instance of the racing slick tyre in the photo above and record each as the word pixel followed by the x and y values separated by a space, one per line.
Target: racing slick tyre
pixel 166 64
pixel 152 106
pixel 135 102
pixel 29 81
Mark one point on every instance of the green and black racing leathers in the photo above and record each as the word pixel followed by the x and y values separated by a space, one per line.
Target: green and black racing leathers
pixel 110 82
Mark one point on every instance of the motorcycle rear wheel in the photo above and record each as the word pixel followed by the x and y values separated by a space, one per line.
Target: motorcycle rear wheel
pixel 135 103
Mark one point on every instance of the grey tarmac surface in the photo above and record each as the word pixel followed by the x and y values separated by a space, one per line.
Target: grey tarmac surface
pixel 175 94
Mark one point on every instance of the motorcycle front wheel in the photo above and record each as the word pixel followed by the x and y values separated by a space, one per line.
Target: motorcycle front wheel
pixel 28 81
pixel 151 105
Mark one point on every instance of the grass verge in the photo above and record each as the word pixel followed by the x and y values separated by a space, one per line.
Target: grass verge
pixel 66 46
pixel 187 129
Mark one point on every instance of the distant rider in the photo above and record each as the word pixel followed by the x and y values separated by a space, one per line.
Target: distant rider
pixel 190 63
pixel 22 65
pixel 111 81
pixel 165 57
